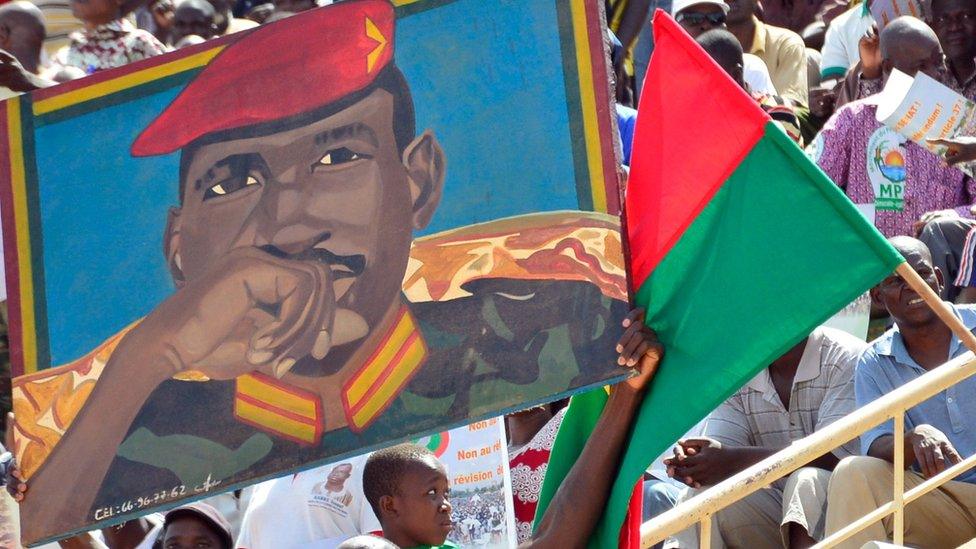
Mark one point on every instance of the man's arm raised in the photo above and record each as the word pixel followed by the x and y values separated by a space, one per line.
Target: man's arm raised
pixel 78 463
pixel 570 519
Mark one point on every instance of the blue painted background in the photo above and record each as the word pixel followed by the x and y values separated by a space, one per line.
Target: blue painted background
pixel 497 110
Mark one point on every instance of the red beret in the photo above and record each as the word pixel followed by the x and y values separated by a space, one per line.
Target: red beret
pixel 289 67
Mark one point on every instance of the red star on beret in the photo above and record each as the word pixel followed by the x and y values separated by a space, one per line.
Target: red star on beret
pixel 287 68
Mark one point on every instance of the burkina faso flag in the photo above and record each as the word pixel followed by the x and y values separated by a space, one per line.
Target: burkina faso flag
pixel 739 247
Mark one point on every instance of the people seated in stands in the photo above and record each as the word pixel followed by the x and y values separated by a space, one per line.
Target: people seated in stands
pixel 700 16
pixel 954 24
pixel 939 432
pixel 802 391
pixel 722 46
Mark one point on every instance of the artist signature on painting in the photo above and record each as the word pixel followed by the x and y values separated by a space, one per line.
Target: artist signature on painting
pixel 154 499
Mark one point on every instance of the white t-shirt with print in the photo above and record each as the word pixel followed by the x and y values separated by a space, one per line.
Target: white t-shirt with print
pixel 840 49
pixel 300 511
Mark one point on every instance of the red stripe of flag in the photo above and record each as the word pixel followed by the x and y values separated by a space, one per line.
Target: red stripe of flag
pixel 663 198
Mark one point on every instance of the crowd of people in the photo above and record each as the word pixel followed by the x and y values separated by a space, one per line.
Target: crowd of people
pixel 479 518
pixel 46 42
pixel 818 69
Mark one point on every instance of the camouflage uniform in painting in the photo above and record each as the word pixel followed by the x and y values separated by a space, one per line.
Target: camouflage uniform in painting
pixel 505 312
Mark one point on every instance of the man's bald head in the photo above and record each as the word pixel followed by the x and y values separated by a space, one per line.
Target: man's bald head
pixel 22 32
pixel 722 46
pixel 911 46
pixel 908 246
pixel 25 15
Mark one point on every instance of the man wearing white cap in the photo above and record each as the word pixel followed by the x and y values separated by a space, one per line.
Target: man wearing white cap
pixel 698 16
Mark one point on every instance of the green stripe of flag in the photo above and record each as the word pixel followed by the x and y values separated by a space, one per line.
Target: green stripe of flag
pixel 777 250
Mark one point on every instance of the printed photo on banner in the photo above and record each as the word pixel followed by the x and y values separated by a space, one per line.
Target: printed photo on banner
pixel 323 507
pixel 231 278
pixel 476 457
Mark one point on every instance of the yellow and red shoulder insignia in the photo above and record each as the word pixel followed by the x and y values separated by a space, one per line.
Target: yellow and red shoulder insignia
pixel 385 373
pixel 279 408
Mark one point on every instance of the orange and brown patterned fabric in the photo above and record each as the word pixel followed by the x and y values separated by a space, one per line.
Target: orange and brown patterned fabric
pixel 570 245
pixel 45 403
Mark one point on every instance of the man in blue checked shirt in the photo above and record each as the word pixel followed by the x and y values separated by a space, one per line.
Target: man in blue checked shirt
pixel 939 432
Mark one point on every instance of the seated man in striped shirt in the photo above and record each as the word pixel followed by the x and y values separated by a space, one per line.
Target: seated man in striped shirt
pixel 804 390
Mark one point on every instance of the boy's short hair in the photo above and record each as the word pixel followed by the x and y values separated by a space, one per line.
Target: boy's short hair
pixel 385 468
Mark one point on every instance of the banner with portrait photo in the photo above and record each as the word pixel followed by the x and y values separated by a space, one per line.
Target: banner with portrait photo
pixel 357 225
pixel 476 458
pixel 324 506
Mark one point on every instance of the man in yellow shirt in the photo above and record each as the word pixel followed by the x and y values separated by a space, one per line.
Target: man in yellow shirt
pixel 781 49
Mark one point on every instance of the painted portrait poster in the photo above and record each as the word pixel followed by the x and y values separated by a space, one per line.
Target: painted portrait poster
pixel 330 504
pixel 356 225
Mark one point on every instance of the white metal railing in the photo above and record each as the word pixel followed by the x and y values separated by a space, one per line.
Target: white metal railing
pixel 699 509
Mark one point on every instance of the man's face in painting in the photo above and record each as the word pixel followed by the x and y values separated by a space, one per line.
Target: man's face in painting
pixel 337 192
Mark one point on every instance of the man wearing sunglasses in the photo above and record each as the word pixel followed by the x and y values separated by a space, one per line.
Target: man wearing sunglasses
pixel 699 16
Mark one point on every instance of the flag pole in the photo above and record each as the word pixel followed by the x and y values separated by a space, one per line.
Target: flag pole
pixel 938 306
